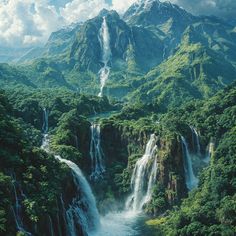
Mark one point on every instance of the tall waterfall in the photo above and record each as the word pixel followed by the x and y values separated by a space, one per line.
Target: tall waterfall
pixel 45 121
pixel 17 210
pixel 196 141
pixel 104 39
pixel 143 177
pixel 191 180
pixel 209 153
pixel 96 153
pixel 83 210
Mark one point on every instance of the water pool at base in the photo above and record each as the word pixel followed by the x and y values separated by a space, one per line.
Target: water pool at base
pixel 125 224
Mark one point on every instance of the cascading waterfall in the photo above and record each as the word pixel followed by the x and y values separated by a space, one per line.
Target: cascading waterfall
pixel 191 180
pixel 83 210
pixel 196 141
pixel 96 153
pixel 143 177
pixel 209 153
pixel 45 120
pixel 17 210
pixel 104 39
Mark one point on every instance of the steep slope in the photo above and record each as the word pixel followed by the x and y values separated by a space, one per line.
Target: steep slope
pixel 11 76
pixel 124 40
pixel 154 12
pixel 166 20
pixel 149 34
pixel 30 188
pixel 210 210
pixel 194 71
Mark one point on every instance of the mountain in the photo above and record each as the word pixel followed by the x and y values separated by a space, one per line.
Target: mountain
pixel 12 76
pixel 154 12
pixel 151 43
pixel 160 140
pixel 9 54
pixel 127 43
pixel 165 19
pixel 194 71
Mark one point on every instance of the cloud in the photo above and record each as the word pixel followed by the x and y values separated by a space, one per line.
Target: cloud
pixel 27 22
pixel 122 6
pixel 30 22
pixel 221 8
pixel 81 10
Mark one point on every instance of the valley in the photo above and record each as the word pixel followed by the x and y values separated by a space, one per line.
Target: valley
pixel 122 125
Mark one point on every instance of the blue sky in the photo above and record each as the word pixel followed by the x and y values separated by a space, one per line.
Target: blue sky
pixel 30 22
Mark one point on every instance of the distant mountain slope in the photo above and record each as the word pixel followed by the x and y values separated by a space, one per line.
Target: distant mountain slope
pixel 154 12
pixel 194 71
pixel 159 51
pixel 11 76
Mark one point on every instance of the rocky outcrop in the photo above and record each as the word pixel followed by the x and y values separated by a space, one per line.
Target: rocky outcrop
pixel 124 145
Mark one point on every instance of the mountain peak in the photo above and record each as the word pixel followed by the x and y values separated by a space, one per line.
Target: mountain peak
pixel 105 12
pixel 154 12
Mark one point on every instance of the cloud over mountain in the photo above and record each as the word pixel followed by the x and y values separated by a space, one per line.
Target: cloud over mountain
pixel 25 22
pixel 30 22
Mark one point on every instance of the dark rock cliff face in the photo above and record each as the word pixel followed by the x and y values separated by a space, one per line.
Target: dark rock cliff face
pixel 171 174
pixel 128 44
pixel 123 145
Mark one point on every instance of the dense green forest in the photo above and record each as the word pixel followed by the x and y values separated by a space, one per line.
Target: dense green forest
pixel 153 154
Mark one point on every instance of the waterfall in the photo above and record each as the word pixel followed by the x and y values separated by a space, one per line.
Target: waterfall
pixel 210 150
pixel 17 211
pixel 143 177
pixel 196 141
pixel 51 231
pixel 45 121
pixel 104 39
pixel 191 180
pixel 83 208
pixel 96 153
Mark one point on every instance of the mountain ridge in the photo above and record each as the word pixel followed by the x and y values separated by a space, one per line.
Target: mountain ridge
pixel 140 42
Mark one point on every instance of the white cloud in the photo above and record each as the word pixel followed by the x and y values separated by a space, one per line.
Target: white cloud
pixel 27 22
pixel 30 22
pixel 81 10
pixel 121 6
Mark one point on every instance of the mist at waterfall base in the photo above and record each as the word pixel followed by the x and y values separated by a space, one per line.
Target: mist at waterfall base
pixel 190 178
pixel 104 39
pixel 126 223
pixel 144 177
pixel 131 221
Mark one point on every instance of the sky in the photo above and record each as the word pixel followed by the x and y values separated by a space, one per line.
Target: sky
pixel 26 23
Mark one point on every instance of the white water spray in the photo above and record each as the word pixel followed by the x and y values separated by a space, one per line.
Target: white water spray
pixel 209 153
pixel 83 210
pixel 96 153
pixel 191 180
pixel 104 39
pixel 143 177
pixel 45 120
pixel 196 141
